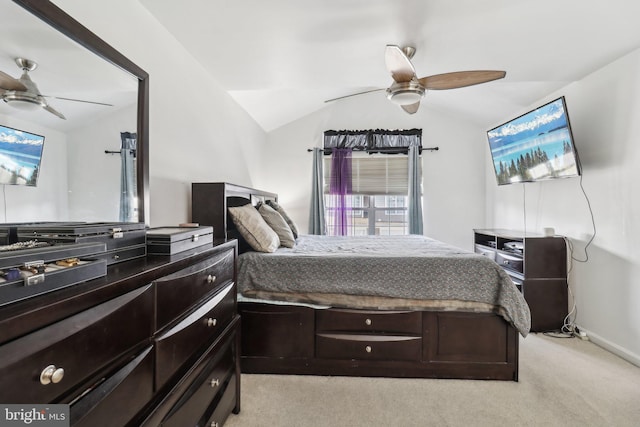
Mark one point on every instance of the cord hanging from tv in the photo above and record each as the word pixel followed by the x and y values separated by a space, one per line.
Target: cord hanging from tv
pixel 535 146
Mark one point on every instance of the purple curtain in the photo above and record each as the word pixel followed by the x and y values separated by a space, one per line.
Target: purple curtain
pixel 340 188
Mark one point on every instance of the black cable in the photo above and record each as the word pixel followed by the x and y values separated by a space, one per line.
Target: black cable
pixel 593 224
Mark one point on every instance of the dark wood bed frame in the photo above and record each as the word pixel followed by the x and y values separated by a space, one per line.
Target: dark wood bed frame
pixel 296 339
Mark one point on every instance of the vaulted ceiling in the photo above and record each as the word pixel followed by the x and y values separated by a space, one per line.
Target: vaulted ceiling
pixel 280 59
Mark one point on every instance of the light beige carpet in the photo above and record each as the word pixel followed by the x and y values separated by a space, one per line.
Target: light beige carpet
pixel 563 382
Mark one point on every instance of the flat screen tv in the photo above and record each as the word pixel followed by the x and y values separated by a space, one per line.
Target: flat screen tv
pixel 20 156
pixel 535 146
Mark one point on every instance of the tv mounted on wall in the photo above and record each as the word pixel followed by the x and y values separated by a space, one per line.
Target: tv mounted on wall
pixel 20 156
pixel 535 146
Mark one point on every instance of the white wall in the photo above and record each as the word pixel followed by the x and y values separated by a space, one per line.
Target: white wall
pixel 453 194
pixel 603 109
pixel 48 200
pixel 197 131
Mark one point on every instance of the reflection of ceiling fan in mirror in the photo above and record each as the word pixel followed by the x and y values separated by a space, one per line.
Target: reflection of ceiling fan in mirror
pixel 23 93
pixel 407 89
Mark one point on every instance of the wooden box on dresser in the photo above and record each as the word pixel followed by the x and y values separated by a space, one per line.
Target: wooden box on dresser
pixel 154 342
pixel 537 264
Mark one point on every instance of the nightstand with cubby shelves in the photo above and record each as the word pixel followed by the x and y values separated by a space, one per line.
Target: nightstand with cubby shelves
pixel 537 265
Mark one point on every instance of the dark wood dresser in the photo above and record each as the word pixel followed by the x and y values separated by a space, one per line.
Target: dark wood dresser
pixel 154 342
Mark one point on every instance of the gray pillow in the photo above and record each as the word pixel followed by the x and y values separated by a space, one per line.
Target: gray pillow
pixel 254 229
pixel 278 224
pixel 278 208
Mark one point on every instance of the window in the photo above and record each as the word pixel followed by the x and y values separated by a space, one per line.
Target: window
pixel 378 203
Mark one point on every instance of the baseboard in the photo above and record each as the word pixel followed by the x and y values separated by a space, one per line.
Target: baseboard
pixel 613 348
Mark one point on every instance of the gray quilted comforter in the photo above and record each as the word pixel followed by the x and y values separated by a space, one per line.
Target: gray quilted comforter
pixel 397 267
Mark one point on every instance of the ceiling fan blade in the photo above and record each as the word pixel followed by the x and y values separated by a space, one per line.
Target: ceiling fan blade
pixel 9 83
pixel 398 64
pixel 354 94
pixel 78 100
pixel 460 79
pixel 411 108
pixel 52 110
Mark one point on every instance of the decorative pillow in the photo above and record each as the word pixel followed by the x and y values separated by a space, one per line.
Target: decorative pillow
pixel 278 208
pixel 254 229
pixel 278 224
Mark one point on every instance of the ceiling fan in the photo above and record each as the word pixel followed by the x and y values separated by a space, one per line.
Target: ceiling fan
pixel 23 93
pixel 407 89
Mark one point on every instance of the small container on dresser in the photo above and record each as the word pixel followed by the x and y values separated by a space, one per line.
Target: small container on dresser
pixel 172 240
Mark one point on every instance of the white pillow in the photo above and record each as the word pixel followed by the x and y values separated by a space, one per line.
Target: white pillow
pixel 258 234
pixel 278 224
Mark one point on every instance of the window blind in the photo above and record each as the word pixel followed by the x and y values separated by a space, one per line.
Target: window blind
pixel 375 174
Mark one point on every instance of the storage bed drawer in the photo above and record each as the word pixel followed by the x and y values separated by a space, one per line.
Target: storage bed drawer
pixel 368 347
pixel 399 322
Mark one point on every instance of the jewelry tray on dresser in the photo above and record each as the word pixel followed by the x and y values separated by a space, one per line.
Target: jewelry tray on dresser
pixel 37 270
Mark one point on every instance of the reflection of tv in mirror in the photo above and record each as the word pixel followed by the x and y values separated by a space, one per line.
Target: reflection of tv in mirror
pixel 20 155
pixel 535 146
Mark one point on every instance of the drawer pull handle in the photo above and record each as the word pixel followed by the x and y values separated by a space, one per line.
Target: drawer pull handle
pixel 368 349
pixel 214 424
pixel 211 279
pixel 215 382
pixel 51 374
pixel 367 322
pixel 212 322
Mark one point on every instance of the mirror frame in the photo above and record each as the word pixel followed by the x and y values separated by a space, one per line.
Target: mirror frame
pixel 58 19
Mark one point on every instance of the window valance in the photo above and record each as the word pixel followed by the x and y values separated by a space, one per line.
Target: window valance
pixel 374 141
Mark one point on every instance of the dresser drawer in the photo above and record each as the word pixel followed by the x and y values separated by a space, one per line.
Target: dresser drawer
pixel 368 347
pixel 116 400
pixel 225 404
pixel 70 351
pixel 208 382
pixel 176 346
pixel 179 291
pixel 408 322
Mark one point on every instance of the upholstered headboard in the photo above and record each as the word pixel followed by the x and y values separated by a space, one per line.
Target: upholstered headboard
pixel 210 200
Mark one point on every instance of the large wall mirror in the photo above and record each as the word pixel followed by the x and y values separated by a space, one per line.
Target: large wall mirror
pixel 101 95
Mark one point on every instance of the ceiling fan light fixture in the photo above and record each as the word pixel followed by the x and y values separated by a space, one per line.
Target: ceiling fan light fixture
pixel 405 93
pixel 23 100
pixel 405 97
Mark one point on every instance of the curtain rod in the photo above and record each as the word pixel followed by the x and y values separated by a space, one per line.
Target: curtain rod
pixel 394 149
pixel 132 151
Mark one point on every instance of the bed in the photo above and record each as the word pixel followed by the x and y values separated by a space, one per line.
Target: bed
pixel 402 306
